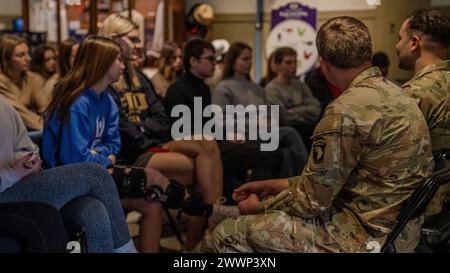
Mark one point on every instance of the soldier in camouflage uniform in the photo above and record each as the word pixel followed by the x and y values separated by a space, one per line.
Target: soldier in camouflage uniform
pixel 423 47
pixel 370 151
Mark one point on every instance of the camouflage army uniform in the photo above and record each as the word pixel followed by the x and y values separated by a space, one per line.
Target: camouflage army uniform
pixel 430 88
pixel 370 151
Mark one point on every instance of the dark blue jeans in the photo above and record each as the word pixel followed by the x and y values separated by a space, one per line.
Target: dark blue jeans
pixel 293 152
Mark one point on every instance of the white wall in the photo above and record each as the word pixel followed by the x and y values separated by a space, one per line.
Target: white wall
pixel 249 6
pixel 440 3
pixel 10 7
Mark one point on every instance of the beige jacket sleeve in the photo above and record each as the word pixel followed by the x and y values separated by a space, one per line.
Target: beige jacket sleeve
pixel 31 120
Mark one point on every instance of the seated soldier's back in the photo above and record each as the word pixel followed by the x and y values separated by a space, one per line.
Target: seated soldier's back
pixel 386 147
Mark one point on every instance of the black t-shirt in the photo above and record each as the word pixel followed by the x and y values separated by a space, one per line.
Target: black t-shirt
pixel 183 91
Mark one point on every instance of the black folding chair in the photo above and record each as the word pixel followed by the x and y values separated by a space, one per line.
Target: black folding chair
pixel 419 200
pixel 436 233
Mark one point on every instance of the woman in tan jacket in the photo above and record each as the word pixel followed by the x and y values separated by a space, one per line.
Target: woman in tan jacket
pixel 67 50
pixel 170 68
pixel 20 87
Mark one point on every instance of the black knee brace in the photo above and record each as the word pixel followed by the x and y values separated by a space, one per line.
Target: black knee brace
pixel 174 196
pixel 194 205
pixel 130 181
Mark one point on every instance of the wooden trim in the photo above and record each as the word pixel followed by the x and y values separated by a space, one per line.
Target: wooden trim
pixel 93 17
pixel 26 15
pixel 178 8
pixel 166 19
pixel 58 20
pixel 130 9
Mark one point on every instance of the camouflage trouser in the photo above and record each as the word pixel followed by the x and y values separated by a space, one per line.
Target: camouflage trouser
pixel 273 231
pixel 442 196
pixel 409 238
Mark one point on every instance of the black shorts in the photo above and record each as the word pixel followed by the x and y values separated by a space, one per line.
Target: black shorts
pixel 143 159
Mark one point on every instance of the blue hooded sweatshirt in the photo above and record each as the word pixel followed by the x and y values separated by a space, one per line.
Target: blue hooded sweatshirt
pixel 92 125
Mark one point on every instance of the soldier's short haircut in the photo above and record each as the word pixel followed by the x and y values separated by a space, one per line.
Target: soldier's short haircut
pixel 431 23
pixel 345 42
pixel 282 52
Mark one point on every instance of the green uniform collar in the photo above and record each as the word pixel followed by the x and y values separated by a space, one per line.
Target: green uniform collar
pixel 366 74
pixel 442 65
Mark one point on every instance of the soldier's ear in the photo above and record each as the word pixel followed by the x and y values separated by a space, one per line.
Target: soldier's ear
pixel 415 42
pixel 324 65
pixel 320 61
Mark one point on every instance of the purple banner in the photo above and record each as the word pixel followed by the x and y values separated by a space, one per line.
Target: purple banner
pixel 294 10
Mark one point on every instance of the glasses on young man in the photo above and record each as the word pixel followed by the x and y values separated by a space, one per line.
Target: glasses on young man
pixel 211 59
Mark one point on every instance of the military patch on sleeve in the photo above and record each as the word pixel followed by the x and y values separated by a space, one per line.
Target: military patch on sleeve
pixel 318 150
pixel 329 127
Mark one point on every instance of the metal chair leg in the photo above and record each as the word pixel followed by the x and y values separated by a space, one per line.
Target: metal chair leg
pixel 174 226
